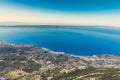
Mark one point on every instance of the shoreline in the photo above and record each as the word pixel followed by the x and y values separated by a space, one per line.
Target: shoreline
pixel 52 51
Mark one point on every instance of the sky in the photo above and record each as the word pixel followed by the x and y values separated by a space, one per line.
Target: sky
pixel 60 12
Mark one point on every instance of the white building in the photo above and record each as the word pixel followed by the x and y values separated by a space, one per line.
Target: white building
pixel 2 43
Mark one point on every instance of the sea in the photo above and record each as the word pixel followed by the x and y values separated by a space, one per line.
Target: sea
pixel 75 40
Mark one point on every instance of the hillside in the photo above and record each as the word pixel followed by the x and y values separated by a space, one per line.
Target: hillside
pixel 27 62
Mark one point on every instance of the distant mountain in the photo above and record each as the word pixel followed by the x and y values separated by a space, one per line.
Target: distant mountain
pixel 27 62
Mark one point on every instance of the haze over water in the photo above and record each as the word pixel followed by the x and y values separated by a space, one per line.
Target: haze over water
pixel 82 41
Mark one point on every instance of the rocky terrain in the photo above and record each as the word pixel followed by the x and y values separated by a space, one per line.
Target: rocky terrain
pixel 27 62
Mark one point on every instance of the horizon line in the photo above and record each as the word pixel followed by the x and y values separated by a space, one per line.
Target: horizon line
pixel 40 24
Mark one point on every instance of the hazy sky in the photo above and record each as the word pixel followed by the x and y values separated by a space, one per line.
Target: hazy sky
pixel 63 12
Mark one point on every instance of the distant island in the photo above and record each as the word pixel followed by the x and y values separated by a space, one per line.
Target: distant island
pixel 27 62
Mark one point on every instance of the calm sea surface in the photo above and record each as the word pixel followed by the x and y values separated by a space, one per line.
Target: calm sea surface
pixel 83 41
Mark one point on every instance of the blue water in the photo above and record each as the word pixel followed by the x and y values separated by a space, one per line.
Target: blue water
pixel 83 41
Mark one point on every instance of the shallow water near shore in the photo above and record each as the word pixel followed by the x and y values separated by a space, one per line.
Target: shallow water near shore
pixel 81 41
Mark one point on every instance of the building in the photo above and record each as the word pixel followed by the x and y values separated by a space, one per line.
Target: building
pixel 2 43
